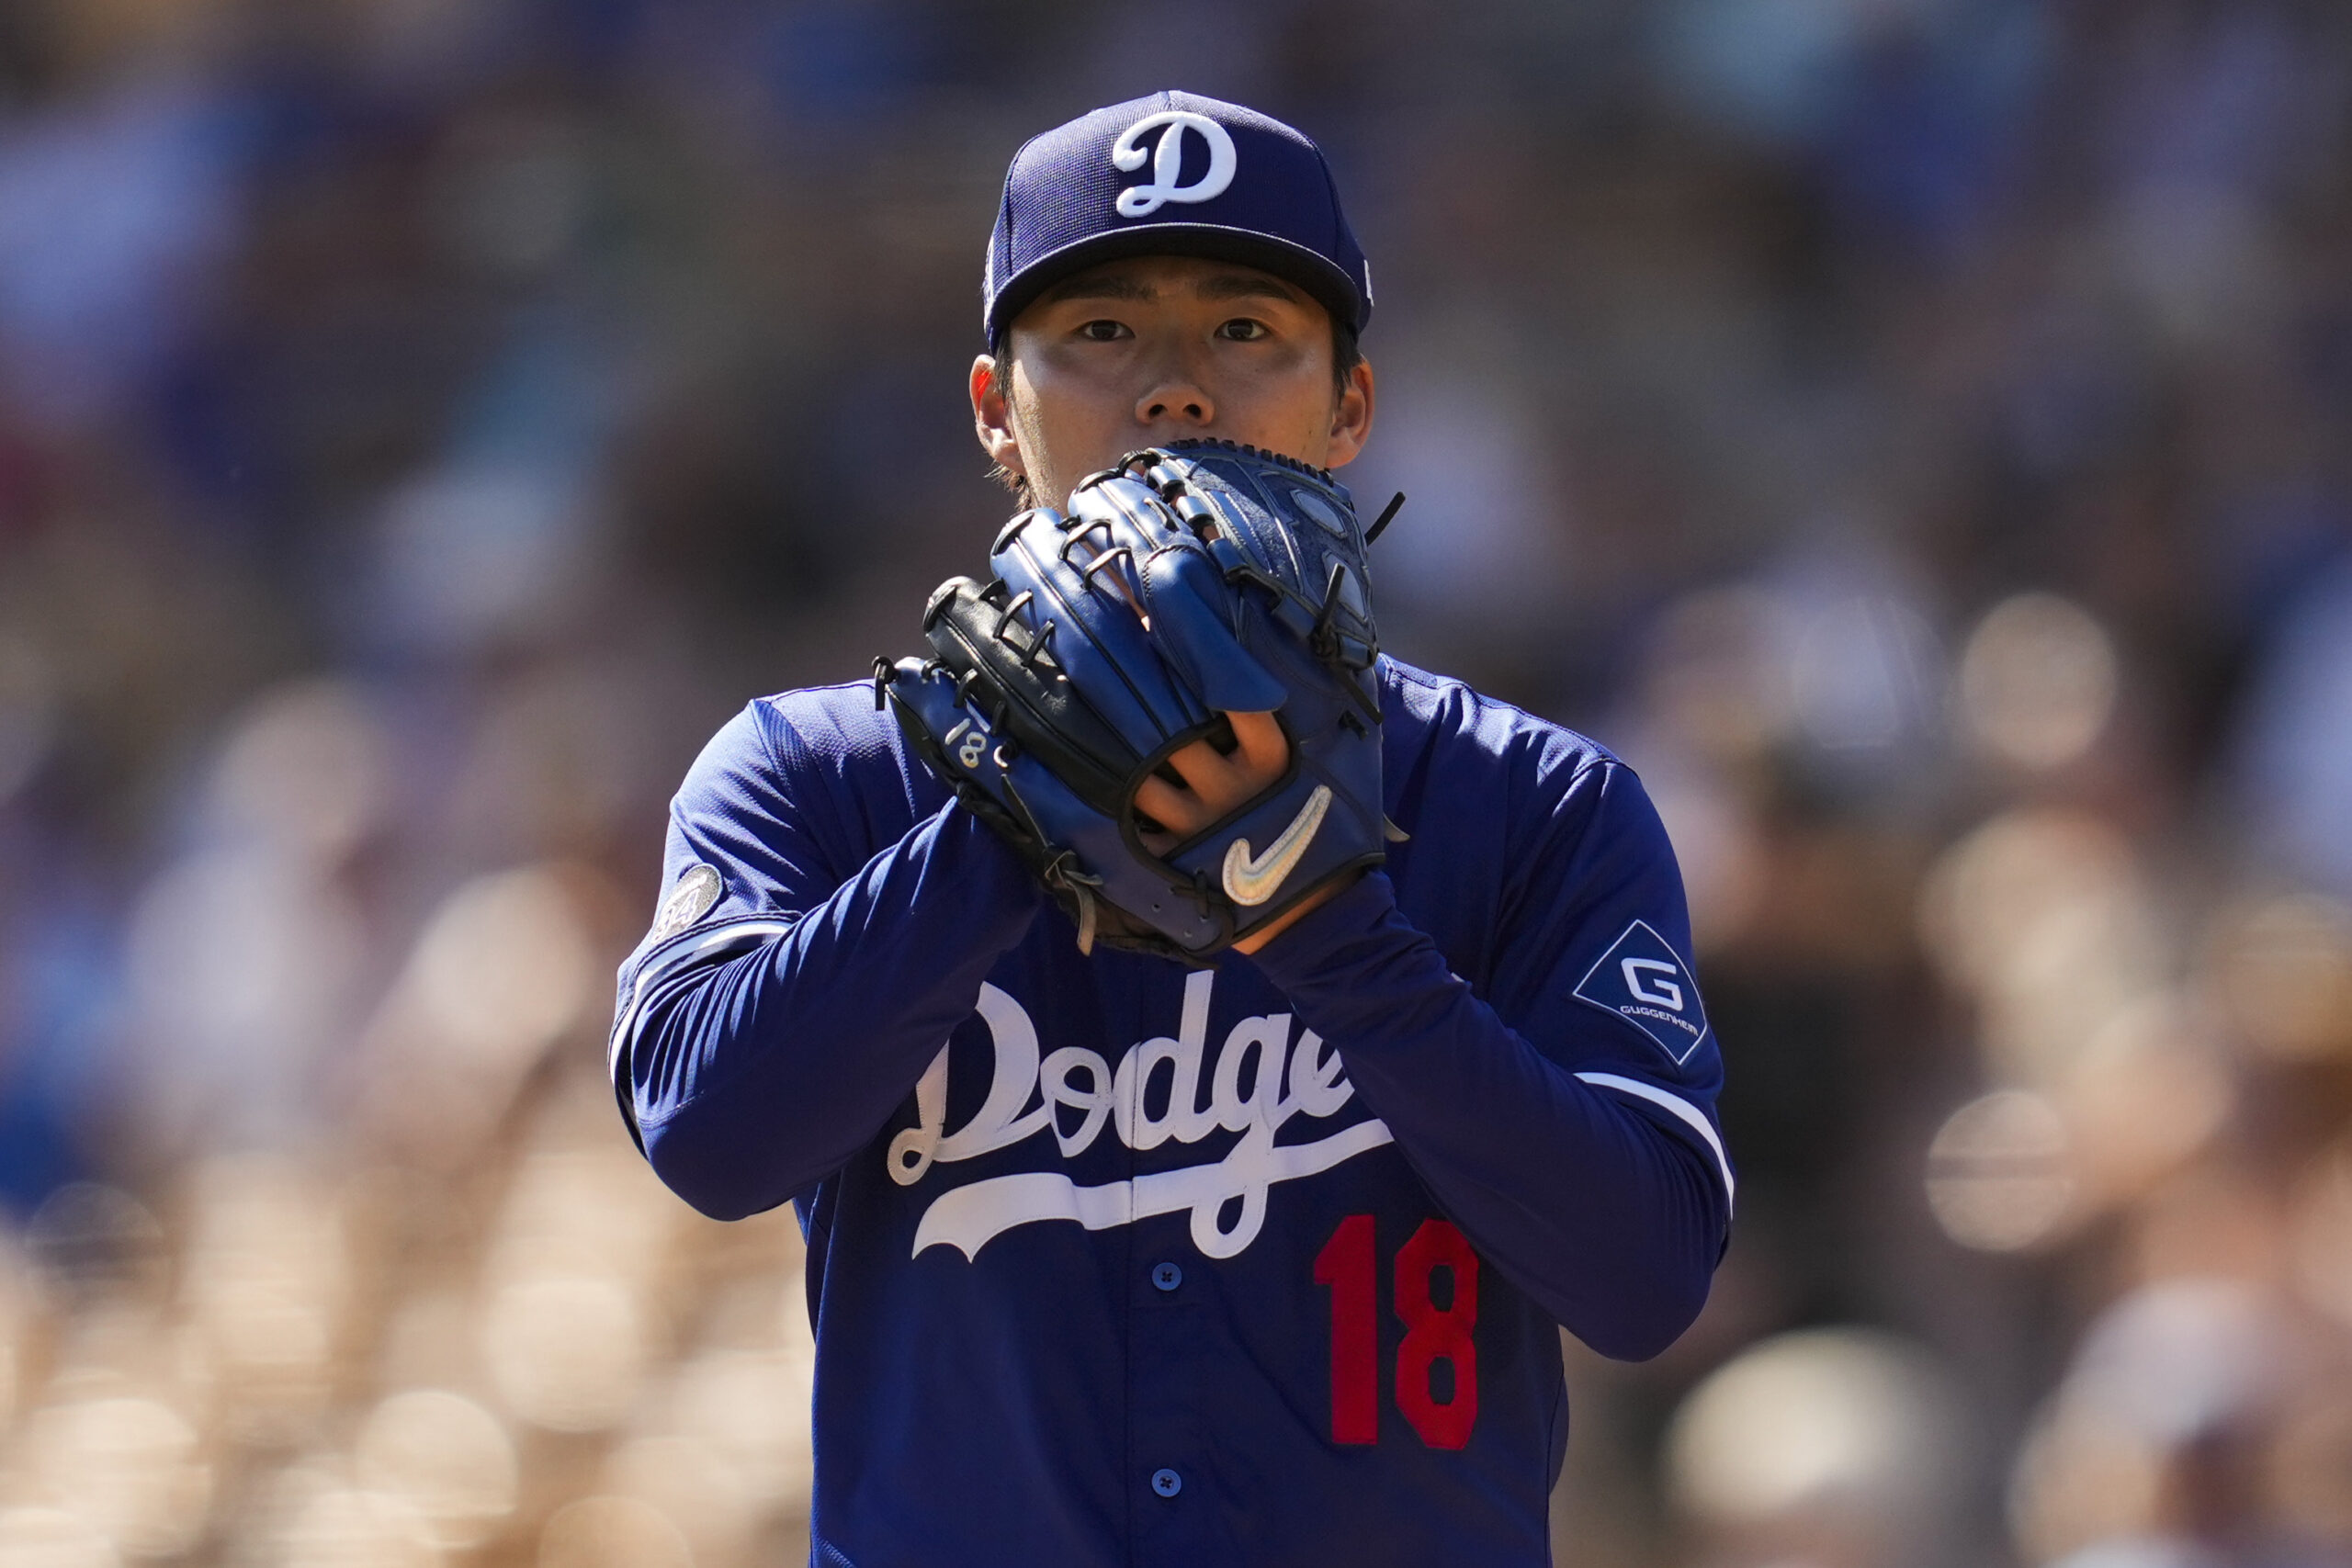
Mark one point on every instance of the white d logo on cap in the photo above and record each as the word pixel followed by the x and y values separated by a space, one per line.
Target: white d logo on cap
pixel 1127 154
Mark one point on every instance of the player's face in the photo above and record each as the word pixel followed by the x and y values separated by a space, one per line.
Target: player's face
pixel 1154 349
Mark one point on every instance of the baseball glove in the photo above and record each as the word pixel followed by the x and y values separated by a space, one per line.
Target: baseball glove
pixel 1190 582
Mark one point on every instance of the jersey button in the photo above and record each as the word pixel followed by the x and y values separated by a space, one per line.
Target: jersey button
pixel 1167 1276
pixel 1167 1482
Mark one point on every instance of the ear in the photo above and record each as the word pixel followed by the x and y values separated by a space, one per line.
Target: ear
pixel 992 416
pixel 1352 417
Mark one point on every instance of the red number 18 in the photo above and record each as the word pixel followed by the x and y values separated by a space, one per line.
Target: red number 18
pixel 1432 1334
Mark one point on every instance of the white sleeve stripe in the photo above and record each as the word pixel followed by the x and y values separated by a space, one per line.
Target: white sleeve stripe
pixel 736 931
pixel 723 936
pixel 1682 1111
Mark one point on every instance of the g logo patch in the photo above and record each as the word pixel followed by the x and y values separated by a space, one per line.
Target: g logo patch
pixel 1167 162
pixel 1645 982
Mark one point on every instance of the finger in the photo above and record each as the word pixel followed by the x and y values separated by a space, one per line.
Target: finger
pixel 1215 783
pixel 1178 810
pixel 1264 751
pixel 1221 782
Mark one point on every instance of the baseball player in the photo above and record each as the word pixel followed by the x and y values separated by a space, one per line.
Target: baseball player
pixel 1256 1255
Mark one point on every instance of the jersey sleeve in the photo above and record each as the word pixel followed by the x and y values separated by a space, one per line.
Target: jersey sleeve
pixel 1562 1111
pixel 817 939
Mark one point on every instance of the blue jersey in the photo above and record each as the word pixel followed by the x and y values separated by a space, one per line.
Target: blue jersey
pixel 1115 1263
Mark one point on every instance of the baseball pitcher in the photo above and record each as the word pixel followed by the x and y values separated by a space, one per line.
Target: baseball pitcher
pixel 1208 1056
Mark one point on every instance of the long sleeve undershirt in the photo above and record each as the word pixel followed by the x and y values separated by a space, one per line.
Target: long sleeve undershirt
pixel 754 1077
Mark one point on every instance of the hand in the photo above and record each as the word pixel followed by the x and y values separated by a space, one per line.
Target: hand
pixel 1215 783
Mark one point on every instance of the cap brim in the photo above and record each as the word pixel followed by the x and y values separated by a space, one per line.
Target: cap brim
pixel 1332 288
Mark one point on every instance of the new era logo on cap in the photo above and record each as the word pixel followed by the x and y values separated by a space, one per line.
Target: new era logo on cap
pixel 1179 175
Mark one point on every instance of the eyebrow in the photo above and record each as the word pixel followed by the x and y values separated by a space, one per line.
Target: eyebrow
pixel 1217 285
pixel 1107 285
pixel 1245 285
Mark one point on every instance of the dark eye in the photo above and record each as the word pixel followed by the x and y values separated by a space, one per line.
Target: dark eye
pixel 1242 329
pixel 1102 331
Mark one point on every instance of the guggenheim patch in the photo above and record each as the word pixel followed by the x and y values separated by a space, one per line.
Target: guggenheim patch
pixel 1641 980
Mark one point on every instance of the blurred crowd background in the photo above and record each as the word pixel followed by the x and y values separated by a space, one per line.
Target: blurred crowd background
pixel 1913 432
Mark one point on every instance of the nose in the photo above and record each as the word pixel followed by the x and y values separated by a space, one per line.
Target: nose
pixel 1179 400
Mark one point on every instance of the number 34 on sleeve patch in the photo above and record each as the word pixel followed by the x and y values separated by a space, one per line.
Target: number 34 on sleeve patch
pixel 689 901
pixel 1643 981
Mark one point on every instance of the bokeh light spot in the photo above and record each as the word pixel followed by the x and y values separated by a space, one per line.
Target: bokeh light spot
pixel 2284 971
pixel 129 1467
pixel 566 1353
pixel 1853 1421
pixel 341 1528
pixel 2038 681
pixel 1998 1174
pixel 51 1538
pixel 449 1458
pixel 612 1532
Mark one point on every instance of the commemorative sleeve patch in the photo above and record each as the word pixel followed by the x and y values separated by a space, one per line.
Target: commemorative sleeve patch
pixel 1643 981
pixel 689 901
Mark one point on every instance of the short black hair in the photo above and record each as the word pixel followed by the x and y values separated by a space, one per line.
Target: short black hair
pixel 1347 352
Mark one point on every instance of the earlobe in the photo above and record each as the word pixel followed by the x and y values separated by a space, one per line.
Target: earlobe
pixel 1352 417
pixel 993 418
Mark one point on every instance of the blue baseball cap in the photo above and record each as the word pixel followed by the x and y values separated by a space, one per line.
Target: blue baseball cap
pixel 1174 173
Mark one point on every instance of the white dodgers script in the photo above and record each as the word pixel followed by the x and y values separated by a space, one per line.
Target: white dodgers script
pixel 1078 1094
